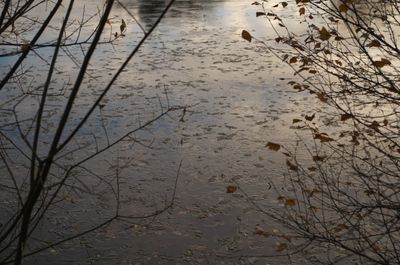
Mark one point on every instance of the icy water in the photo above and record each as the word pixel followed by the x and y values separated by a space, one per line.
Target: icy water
pixel 237 100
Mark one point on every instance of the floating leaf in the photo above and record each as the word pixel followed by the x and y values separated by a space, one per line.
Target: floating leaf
pixel 281 247
pixel 341 227
pixel 290 202
pixel 261 232
pixel 273 146
pixel 302 11
pixel 231 189
pixel 246 35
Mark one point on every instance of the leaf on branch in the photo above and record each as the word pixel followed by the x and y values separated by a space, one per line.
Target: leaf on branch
pixel 374 43
pixel 302 11
pixel 340 227
pixel 296 120
pixel 343 8
pixel 310 118
pixel 376 248
pixel 374 125
pixel 345 117
pixel 122 27
pixel 322 97
pixel 319 158
pixel 258 14
pixel 324 34
pixel 25 47
pixel 323 137
pixel 291 166
pixel 273 146
pixel 312 169
pixel 246 35
pixel 383 62
pixel 293 60
pixel 284 4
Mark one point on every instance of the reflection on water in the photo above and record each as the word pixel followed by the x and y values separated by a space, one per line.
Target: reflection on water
pixel 239 100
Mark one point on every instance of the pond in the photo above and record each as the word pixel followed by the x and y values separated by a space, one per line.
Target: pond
pixel 237 99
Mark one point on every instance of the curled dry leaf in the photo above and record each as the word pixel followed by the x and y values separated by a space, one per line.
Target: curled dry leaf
pixel 231 189
pixel 246 35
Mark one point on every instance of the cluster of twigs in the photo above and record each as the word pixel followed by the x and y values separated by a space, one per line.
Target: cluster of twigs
pixel 345 202
pixel 34 177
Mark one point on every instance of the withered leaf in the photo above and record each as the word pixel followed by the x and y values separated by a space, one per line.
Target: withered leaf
pixel 273 146
pixel 231 189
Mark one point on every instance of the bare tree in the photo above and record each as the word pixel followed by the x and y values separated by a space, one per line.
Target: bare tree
pixel 344 203
pixel 44 143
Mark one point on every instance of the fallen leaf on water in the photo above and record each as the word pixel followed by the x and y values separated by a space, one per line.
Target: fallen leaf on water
pixel 281 247
pixel 231 189
pixel 290 202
